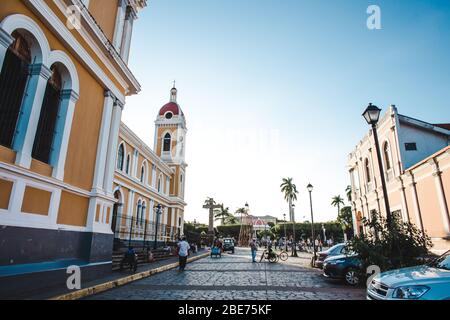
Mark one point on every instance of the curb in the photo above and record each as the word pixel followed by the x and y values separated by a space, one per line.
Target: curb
pixel 122 281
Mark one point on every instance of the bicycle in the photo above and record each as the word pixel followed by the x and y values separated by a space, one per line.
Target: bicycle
pixel 283 255
pixel 271 256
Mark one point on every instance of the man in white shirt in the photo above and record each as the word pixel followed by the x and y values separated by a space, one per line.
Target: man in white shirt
pixel 183 252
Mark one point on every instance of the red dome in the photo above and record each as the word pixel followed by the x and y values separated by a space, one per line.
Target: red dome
pixel 172 107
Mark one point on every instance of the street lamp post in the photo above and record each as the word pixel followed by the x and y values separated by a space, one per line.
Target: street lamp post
pixel 372 114
pixel 294 245
pixel 158 213
pixel 324 234
pixel 285 235
pixel 310 189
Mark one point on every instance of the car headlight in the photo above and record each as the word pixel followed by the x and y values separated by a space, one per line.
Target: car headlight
pixel 410 292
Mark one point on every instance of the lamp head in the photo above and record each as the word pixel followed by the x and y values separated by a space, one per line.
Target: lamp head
pixel 310 187
pixel 372 114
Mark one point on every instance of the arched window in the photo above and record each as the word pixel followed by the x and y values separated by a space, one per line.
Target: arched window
pixel 13 80
pixel 367 169
pixel 181 185
pixel 127 165
pixel 43 141
pixel 167 140
pixel 142 173
pixel 159 184
pixel 120 155
pixel 387 158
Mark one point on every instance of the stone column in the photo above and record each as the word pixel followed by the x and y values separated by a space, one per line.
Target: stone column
pixel 62 129
pixel 112 147
pixel 415 198
pixel 441 195
pixel 30 113
pixel 127 32
pixel 102 146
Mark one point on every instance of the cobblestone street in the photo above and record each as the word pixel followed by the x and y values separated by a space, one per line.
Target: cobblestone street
pixel 235 277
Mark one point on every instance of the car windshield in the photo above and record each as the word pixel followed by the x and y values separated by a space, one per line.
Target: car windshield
pixel 443 262
pixel 336 249
pixel 227 241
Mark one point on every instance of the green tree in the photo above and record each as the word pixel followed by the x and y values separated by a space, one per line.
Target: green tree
pixel 348 192
pixel 223 213
pixel 240 212
pixel 345 219
pixel 289 189
pixel 391 245
pixel 337 201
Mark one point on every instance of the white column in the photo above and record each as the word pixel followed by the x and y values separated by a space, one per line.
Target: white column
pixel 151 211
pixel 412 185
pixel 17 194
pixel 102 146
pixel 405 211
pixel 63 128
pixel 5 41
pixel 127 32
pixel 441 196
pixel 112 147
pixel 134 163
pixel 30 113
pixel 118 29
pixel 130 206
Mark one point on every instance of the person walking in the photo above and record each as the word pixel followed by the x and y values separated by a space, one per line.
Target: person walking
pixel 183 251
pixel 253 248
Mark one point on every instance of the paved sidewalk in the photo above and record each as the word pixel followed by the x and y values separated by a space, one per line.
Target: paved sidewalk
pixel 235 277
pixel 116 278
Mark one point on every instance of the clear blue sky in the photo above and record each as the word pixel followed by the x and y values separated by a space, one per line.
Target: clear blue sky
pixel 276 88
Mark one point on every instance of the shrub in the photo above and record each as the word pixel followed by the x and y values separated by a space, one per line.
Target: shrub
pixel 391 245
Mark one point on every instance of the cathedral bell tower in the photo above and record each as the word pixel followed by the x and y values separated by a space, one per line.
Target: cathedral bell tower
pixel 170 140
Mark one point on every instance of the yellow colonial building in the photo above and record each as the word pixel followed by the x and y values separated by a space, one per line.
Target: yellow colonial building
pixel 63 83
pixel 145 178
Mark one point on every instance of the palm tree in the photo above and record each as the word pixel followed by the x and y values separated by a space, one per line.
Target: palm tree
pixel 240 211
pixel 290 195
pixel 349 191
pixel 336 202
pixel 223 213
pixel 231 219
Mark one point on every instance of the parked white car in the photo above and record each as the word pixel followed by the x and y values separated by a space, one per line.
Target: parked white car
pixel 425 282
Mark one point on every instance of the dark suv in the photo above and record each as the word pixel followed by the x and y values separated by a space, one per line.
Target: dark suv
pixel 228 245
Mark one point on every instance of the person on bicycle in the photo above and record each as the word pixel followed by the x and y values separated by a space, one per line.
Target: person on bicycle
pixel 269 249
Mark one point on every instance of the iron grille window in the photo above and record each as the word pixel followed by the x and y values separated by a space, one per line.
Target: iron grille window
pixel 43 141
pixel 13 80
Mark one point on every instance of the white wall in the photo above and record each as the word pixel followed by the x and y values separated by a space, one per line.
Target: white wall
pixel 427 143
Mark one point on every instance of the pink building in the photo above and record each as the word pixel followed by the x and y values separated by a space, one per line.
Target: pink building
pixel 416 164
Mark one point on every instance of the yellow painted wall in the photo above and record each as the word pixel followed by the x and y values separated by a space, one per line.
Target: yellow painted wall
pixel 5 193
pixel 7 155
pixel 429 205
pixel 41 168
pixel 36 201
pixel 73 209
pixel 105 13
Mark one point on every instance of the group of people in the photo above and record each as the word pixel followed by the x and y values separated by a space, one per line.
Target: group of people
pixel 302 244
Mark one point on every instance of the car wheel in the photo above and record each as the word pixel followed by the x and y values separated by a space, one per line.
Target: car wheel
pixel 352 277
